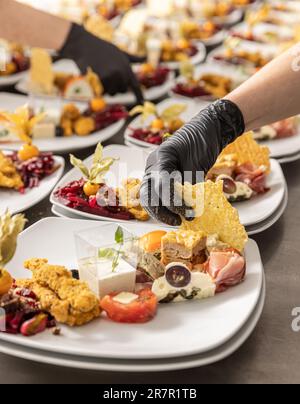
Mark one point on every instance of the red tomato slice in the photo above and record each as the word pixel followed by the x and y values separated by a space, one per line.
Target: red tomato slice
pixel 141 310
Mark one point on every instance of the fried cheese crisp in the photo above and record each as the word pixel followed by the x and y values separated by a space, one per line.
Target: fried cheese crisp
pixel 213 213
pixel 42 75
pixel 70 301
pixel 247 150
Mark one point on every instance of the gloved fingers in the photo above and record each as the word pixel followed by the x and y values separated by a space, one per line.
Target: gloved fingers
pixel 135 87
pixel 172 197
pixel 154 206
pixel 134 58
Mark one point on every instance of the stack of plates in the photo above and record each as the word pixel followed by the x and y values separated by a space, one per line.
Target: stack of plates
pixel 182 336
pixel 257 214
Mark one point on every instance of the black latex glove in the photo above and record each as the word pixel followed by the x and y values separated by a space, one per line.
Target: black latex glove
pixel 111 64
pixel 194 149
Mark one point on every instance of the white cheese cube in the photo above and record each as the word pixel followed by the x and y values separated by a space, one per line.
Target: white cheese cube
pixel 44 131
pixel 103 281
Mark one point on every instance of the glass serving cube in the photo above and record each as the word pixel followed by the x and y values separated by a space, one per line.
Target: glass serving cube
pixel 108 258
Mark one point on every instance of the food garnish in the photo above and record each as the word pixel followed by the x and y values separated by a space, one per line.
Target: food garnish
pixel 166 122
pixel 10 228
pixel 16 60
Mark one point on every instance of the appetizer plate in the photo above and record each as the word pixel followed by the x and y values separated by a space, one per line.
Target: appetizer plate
pixel 216 39
pixel 9 102
pixel 178 330
pixel 16 202
pixel 251 230
pixel 283 32
pixel 231 19
pixel 192 108
pixel 150 94
pixel 187 362
pixel 236 75
pixel 261 207
pixel 284 147
pixel 194 60
pixel 266 224
pixel 12 79
pixel 68 66
pixel 131 164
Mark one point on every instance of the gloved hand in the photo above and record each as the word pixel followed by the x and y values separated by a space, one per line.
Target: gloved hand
pixel 188 155
pixel 110 63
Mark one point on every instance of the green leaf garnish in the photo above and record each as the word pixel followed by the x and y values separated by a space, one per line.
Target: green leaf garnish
pixel 119 236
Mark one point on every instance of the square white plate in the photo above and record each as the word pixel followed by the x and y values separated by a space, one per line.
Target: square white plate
pixel 16 202
pixel 162 365
pixel 9 102
pixel 178 329
pixel 132 164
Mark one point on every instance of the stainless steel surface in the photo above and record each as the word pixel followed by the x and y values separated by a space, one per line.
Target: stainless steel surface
pixel 271 355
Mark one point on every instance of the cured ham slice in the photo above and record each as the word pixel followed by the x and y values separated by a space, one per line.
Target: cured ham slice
pixel 227 268
pixel 255 177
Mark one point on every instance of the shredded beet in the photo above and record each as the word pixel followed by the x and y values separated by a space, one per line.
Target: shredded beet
pixel 190 91
pixel 34 170
pixel 157 78
pixel 73 197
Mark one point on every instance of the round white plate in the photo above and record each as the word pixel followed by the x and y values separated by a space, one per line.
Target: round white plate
pixel 12 79
pixel 142 366
pixel 194 60
pixel 178 329
pixel 69 66
pixel 16 202
pixel 9 102
pixel 192 108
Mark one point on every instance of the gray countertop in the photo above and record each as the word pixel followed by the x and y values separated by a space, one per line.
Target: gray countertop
pixel 271 355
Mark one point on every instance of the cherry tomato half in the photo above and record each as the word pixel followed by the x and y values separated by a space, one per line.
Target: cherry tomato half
pixel 141 310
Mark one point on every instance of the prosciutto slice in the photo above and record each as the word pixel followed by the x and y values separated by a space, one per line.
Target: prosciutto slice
pixel 227 268
pixel 255 177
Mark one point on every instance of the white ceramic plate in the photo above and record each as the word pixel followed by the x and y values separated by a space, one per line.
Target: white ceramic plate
pixel 270 221
pixel 284 147
pixel 261 207
pixel 9 102
pixel 192 109
pixel 251 230
pixel 12 79
pixel 131 164
pixel 237 76
pixel 68 66
pixel 216 39
pixel 178 330
pixel 231 19
pixel 267 50
pixel 195 60
pixel 142 366
pixel 284 32
pixel 16 203
pixel 150 94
